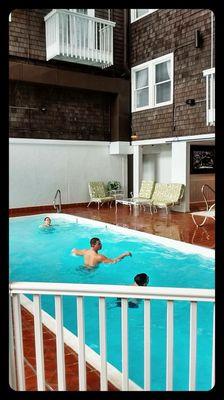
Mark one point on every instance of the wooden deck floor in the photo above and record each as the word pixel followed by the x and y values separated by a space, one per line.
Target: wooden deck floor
pixel 175 225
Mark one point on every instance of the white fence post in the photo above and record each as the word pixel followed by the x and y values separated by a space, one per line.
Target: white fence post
pixel 103 344
pixel 124 333
pixel 213 350
pixel 38 333
pixel 12 362
pixel 18 342
pixel 60 343
pixel 147 341
pixel 193 345
pixel 81 339
pixel 169 350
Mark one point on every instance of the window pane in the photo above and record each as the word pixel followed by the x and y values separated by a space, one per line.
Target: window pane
pixel 163 71
pixel 140 12
pixel 142 98
pixel 163 92
pixel 142 78
pixel 82 10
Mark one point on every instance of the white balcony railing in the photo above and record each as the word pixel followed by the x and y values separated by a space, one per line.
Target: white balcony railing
pixel 80 291
pixel 210 95
pixel 79 38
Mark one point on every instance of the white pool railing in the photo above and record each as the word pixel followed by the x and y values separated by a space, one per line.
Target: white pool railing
pixel 80 291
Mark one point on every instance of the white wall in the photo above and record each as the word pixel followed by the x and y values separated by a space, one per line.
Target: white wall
pixel 149 165
pixel 37 168
pixel 157 163
pixel 181 171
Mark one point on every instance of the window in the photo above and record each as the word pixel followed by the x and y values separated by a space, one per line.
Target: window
pixel 87 11
pixel 152 83
pixel 140 12
pixel 210 95
pixel 142 88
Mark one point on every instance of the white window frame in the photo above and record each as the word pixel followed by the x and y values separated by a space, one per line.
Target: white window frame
pixel 210 96
pixel 133 13
pixel 90 11
pixel 151 83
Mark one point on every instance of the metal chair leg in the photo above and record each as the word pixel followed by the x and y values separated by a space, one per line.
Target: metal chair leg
pixel 198 225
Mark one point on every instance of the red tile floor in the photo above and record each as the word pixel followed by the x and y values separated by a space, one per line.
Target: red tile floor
pixel 71 361
pixel 175 225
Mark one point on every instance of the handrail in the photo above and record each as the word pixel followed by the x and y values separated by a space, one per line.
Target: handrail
pixel 83 16
pixel 57 207
pixel 208 71
pixel 203 194
pixel 107 371
pixel 123 291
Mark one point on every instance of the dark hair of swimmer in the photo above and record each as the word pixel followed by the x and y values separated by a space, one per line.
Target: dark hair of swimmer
pixel 94 241
pixel 141 279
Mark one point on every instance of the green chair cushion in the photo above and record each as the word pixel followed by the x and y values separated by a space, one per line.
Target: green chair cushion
pixel 102 199
pixel 146 191
pixel 97 190
pixel 166 194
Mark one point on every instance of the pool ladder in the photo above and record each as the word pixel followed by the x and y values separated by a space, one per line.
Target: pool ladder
pixel 58 206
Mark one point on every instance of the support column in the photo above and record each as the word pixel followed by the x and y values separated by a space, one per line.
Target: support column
pixel 125 173
pixel 137 168
pixel 180 172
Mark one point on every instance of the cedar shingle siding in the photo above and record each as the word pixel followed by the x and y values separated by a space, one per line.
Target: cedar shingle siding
pixel 72 113
pixel 86 114
pixel 163 32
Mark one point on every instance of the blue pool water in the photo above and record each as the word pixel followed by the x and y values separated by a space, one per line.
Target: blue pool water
pixel 44 255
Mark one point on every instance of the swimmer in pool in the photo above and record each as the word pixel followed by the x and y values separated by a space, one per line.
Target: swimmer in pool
pixel 47 222
pixel 92 258
pixel 139 280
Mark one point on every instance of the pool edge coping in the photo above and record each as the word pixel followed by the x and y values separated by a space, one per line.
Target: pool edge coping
pixel 164 241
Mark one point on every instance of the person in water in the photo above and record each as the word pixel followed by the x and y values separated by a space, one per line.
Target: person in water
pixel 92 258
pixel 47 222
pixel 139 280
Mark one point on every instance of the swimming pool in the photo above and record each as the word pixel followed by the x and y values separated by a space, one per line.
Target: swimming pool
pixel 38 254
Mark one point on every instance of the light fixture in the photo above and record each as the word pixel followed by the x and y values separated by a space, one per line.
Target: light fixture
pixel 134 136
pixel 190 102
pixel 198 39
pixel 43 108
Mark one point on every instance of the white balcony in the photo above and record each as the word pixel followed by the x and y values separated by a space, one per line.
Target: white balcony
pixel 210 95
pixel 79 38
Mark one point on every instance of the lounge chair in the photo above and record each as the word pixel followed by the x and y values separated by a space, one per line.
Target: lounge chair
pixel 98 194
pixel 145 192
pixel 210 210
pixel 166 195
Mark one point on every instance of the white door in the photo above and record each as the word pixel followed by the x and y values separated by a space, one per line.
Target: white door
pixel 85 29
